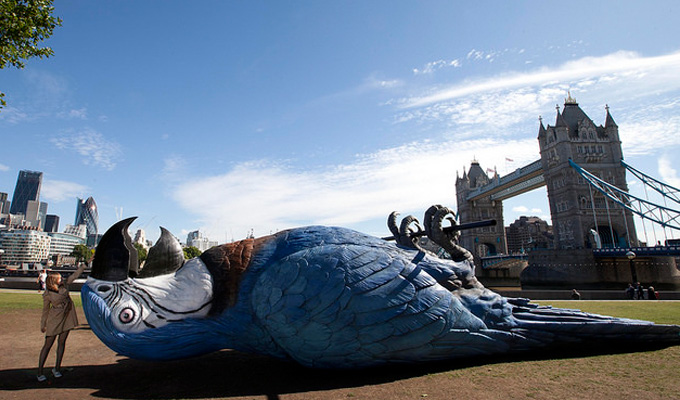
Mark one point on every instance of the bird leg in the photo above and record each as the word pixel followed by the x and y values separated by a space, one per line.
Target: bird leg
pixel 407 233
pixel 448 240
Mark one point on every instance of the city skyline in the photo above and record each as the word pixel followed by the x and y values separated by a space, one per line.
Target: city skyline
pixel 265 116
pixel 82 206
pixel 28 188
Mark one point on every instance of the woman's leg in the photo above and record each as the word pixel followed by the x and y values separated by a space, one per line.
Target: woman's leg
pixel 49 341
pixel 61 346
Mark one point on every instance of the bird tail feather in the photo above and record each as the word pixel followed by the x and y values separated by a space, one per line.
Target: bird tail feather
pixel 555 326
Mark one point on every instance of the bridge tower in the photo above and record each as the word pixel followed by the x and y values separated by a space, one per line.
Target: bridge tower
pixel 481 241
pixel 598 150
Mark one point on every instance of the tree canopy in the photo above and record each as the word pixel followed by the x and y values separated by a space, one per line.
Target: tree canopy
pixel 142 253
pixel 24 24
pixel 191 252
pixel 82 253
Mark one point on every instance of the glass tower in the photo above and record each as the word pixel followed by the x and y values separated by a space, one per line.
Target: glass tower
pixel 27 189
pixel 86 214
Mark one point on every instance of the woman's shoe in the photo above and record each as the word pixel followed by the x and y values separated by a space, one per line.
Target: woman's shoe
pixel 56 373
pixel 42 378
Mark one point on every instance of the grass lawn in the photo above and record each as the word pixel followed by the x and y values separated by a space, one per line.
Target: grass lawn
pixel 28 301
pixel 660 312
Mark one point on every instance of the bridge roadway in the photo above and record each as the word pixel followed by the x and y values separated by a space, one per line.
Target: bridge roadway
pixel 639 251
pixel 522 180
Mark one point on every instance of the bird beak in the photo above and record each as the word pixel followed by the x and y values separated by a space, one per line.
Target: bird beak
pixel 115 258
pixel 164 257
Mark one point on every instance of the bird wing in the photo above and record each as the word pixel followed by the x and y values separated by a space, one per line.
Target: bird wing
pixel 338 299
pixel 344 304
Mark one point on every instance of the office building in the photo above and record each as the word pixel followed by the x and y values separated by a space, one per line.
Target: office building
pixel 63 243
pixel 24 247
pixel 32 214
pixel 140 238
pixel 51 223
pixel 197 240
pixel 4 203
pixel 27 189
pixel 77 230
pixel 87 214
pixel 528 233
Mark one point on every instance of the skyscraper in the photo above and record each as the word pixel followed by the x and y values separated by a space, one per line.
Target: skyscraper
pixel 27 189
pixel 86 214
pixel 51 223
pixel 4 203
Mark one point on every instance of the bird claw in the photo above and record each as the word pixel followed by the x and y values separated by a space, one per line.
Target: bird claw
pixel 408 232
pixel 447 239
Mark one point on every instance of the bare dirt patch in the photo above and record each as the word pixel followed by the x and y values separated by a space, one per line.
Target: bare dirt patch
pixel 92 370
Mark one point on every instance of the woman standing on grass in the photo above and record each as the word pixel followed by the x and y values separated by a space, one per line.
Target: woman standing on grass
pixel 58 318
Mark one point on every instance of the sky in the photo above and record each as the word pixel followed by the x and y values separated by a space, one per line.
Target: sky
pixel 234 117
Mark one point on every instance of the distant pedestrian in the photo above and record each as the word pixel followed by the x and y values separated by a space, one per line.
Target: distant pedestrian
pixel 58 318
pixel 575 295
pixel 640 291
pixel 651 293
pixel 630 292
pixel 42 277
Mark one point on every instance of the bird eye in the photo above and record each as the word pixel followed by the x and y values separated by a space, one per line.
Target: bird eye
pixel 126 315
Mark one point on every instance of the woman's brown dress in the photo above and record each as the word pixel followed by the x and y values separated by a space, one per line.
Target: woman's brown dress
pixel 59 315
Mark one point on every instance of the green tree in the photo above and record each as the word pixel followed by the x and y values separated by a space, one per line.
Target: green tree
pixel 24 24
pixel 141 252
pixel 82 253
pixel 191 252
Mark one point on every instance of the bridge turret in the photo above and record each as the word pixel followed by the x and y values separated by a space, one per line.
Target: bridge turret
pixel 598 149
pixel 541 129
pixel 559 119
pixel 609 121
pixel 485 240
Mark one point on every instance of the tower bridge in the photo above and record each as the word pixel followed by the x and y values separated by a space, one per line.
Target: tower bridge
pixel 522 180
pixel 581 164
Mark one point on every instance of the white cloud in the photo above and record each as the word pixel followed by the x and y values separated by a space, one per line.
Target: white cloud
pixel 525 210
pixel 94 148
pixel 642 137
pixel 74 114
pixel 485 119
pixel 4 168
pixel 383 84
pixel 668 174
pixel 488 111
pixel 13 115
pixel 265 196
pixel 660 72
pixel 57 191
pixel 644 89
pixel 431 67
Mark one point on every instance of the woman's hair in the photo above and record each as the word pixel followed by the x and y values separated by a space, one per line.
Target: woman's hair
pixel 52 281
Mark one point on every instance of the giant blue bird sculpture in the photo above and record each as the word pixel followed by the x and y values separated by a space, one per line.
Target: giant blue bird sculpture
pixel 329 298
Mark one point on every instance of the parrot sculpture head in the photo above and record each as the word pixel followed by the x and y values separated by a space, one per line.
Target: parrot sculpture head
pixel 149 314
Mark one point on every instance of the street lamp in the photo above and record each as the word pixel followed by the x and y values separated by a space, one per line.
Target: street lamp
pixel 633 273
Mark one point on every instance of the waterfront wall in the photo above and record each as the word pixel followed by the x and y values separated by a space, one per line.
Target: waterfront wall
pixel 579 269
